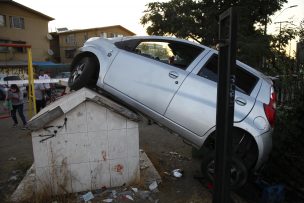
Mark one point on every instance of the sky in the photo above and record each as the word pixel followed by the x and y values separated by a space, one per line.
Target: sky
pixel 91 13
pixel 99 13
pixel 293 15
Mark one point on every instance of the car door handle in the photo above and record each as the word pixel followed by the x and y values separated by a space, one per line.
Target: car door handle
pixel 173 74
pixel 240 101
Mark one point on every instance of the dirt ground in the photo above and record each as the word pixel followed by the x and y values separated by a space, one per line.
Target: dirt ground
pixel 167 152
pixel 16 155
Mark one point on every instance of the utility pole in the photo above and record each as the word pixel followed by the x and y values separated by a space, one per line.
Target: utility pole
pixel 280 28
pixel 266 19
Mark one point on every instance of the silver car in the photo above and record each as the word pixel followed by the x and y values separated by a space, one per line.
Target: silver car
pixel 174 82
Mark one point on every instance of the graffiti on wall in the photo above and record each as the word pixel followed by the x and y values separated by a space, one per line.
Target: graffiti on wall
pixel 10 70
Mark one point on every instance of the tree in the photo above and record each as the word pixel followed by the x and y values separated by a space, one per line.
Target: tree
pixel 301 32
pixel 198 20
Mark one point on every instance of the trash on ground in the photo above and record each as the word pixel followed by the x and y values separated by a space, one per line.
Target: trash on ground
pixel 144 194
pixel 128 192
pixel 142 167
pixel 12 158
pixel 108 200
pixel 13 178
pixel 129 197
pixel 114 194
pixel 178 173
pixel 167 173
pixel 134 189
pixel 16 172
pixel 271 192
pixel 153 186
pixel 175 155
pixel 88 196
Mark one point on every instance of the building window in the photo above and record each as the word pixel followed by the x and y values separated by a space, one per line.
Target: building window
pixel 19 49
pixel 69 53
pixel 2 20
pixel 17 22
pixel 103 34
pixel 111 35
pixel 86 37
pixel 70 39
pixel 4 49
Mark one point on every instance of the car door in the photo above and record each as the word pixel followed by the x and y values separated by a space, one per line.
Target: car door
pixel 146 76
pixel 194 105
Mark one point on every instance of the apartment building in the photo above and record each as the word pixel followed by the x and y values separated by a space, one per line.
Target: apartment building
pixel 70 40
pixel 22 25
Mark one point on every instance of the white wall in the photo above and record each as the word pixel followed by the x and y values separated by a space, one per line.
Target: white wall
pixel 96 148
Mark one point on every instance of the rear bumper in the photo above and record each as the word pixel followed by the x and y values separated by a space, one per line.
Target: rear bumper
pixel 264 142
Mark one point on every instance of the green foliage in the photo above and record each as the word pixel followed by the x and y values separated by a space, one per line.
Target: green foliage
pixel 288 134
pixel 198 20
pixel 301 31
pixel 174 18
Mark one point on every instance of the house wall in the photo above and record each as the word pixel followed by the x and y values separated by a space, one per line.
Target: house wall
pixel 34 33
pixel 95 148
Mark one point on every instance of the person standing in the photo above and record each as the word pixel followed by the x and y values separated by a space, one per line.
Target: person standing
pixel 47 87
pixel 16 96
pixel 39 95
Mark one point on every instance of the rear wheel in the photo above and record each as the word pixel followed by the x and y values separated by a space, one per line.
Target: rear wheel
pixel 243 144
pixel 244 157
pixel 83 73
pixel 238 171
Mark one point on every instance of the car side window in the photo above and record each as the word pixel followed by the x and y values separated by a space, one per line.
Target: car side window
pixel 245 81
pixel 209 70
pixel 174 53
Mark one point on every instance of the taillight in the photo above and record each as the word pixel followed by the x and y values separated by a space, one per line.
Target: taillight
pixel 270 109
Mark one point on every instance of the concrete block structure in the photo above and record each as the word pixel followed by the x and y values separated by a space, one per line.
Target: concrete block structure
pixel 84 141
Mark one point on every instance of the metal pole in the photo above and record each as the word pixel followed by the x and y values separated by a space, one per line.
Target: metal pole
pixel 31 89
pixel 225 105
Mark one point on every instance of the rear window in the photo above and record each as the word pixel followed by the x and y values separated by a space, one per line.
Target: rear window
pixel 14 77
pixel 245 81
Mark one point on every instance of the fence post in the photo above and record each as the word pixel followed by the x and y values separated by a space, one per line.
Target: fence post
pixel 225 105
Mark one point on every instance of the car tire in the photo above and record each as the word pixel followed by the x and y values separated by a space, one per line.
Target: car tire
pixel 243 145
pixel 82 73
pixel 238 175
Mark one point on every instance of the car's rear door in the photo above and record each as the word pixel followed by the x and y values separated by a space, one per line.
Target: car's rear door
pixel 194 105
pixel 146 76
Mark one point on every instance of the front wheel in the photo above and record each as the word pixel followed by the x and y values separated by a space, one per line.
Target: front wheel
pixel 83 73
pixel 238 171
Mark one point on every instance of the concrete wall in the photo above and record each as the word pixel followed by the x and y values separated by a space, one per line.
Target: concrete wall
pixel 95 148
